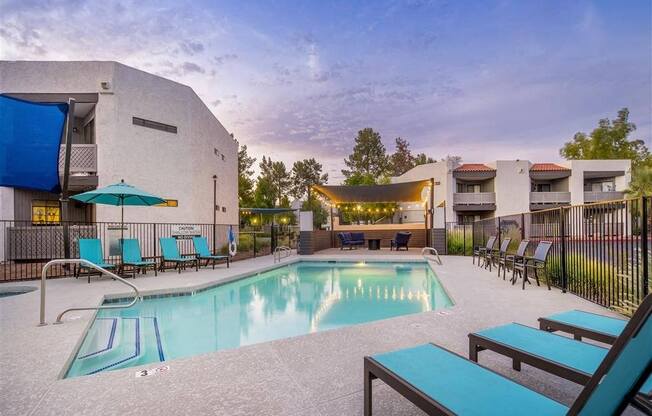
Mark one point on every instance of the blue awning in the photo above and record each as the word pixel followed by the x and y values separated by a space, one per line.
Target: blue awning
pixel 30 138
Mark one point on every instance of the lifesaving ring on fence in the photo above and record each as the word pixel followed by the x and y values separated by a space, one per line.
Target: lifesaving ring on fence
pixel 233 248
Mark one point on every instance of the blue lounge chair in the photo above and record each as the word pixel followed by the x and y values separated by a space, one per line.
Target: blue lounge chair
pixel 170 254
pixel 565 357
pixel 203 253
pixel 597 327
pixel 91 249
pixel 400 240
pixel 350 240
pixel 443 383
pixel 131 257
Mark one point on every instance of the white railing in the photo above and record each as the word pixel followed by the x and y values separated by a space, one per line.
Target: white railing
pixel 603 196
pixel 430 253
pixel 474 198
pixel 86 263
pixel 83 158
pixel 550 197
pixel 281 252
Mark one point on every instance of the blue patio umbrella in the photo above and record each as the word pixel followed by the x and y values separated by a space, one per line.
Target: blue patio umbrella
pixel 119 194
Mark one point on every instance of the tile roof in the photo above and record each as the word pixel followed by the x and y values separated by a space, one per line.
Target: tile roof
pixel 473 167
pixel 547 167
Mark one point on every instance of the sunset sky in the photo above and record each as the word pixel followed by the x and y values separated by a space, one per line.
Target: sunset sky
pixel 484 80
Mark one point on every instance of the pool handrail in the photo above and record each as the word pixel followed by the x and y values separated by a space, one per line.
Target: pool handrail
pixel 279 250
pixel 432 251
pixel 90 265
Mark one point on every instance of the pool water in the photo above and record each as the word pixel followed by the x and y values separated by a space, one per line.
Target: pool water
pixel 292 300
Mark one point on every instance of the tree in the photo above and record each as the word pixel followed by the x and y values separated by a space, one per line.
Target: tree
pixel 245 177
pixel 609 141
pixel 274 179
pixel 369 159
pixel 264 194
pixel 454 160
pixel 319 214
pixel 422 159
pixel 641 184
pixel 306 173
pixel 401 160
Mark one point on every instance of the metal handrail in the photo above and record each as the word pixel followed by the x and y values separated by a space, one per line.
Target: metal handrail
pixel 431 251
pixel 281 249
pixel 93 266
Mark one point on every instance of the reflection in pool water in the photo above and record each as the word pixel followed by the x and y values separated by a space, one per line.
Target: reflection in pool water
pixel 292 300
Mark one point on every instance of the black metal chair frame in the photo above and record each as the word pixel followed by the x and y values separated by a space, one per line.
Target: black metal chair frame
pixel 494 256
pixel 479 251
pixel 536 263
pixel 511 258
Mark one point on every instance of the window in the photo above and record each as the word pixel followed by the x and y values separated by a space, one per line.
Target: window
pixel 604 185
pixel 172 203
pixel 154 125
pixel 223 209
pixel 465 188
pixel 542 187
pixel 45 212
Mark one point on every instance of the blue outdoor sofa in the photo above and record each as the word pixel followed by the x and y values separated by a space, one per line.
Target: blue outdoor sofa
pixel 350 240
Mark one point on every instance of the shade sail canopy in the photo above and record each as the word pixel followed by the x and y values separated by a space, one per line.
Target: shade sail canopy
pixel 395 192
pixel 270 211
pixel 119 194
pixel 30 137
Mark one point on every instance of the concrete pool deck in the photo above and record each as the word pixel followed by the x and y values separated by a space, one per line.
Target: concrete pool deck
pixel 316 374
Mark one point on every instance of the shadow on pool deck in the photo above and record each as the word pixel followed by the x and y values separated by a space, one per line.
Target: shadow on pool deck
pixel 316 374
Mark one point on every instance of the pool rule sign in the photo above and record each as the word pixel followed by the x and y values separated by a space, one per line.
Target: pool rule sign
pixel 185 231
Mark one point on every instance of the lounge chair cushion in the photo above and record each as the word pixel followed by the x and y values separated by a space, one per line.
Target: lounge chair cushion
pixel 102 265
pixel 212 257
pixel 594 322
pixel 465 387
pixel 140 263
pixel 180 259
pixel 560 349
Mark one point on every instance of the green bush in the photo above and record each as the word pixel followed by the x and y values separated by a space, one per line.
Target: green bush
pixel 456 243
pixel 246 242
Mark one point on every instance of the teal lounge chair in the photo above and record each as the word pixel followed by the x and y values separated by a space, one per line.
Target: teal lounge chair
pixel 170 254
pixel 131 257
pixel 203 253
pixel 443 383
pixel 565 357
pixel 91 249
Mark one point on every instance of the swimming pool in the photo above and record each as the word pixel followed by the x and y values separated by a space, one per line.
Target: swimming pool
pixel 292 300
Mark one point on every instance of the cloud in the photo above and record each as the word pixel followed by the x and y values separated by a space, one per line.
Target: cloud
pixel 191 47
pixel 222 59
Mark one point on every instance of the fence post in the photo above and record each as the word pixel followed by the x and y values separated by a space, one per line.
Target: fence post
pixel 254 234
pixel 644 245
pixel 562 241
pixel 499 229
pixel 154 242
pixel 522 226
pixel 463 239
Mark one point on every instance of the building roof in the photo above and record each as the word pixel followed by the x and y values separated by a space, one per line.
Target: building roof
pixel 474 167
pixel 547 167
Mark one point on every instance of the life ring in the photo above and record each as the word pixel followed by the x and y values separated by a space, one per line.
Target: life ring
pixel 233 248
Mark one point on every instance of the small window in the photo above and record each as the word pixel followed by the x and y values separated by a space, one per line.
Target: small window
pixel 154 125
pixel 223 209
pixel 222 156
pixel 46 212
pixel 172 203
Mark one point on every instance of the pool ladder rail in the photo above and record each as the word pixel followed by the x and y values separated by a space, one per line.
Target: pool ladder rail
pixel 281 252
pixel 430 253
pixel 90 308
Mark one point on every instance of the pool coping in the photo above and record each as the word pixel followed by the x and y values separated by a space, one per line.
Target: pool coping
pixel 193 290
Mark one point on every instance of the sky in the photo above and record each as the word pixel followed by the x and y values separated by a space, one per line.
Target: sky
pixel 485 80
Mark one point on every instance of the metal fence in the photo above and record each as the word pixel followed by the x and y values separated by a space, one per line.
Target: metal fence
pixel 600 251
pixel 26 247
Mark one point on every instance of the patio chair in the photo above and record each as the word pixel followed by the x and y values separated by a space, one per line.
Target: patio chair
pixel 357 239
pixel 479 251
pixel 565 357
pixel 170 254
pixel 203 253
pixel 401 239
pixel 91 249
pixel 441 382
pixel 131 257
pixel 345 240
pixel 494 256
pixel 597 327
pixel 536 263
pixel 511 258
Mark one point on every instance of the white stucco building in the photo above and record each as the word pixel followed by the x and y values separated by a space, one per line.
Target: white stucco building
pixel 472 191
pixel 154 133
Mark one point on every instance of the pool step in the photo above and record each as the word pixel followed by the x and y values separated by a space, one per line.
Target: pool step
pixel 118 342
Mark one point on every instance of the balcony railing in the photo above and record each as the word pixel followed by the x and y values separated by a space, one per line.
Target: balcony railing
pixel 474 198
pixel 550 197
pixel 83 158
pixel 603 196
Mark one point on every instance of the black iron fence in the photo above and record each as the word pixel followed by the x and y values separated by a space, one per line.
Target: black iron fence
pixel 26 247
pixel 601 252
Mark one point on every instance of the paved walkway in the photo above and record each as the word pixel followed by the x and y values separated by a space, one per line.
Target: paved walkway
pixel 316 374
